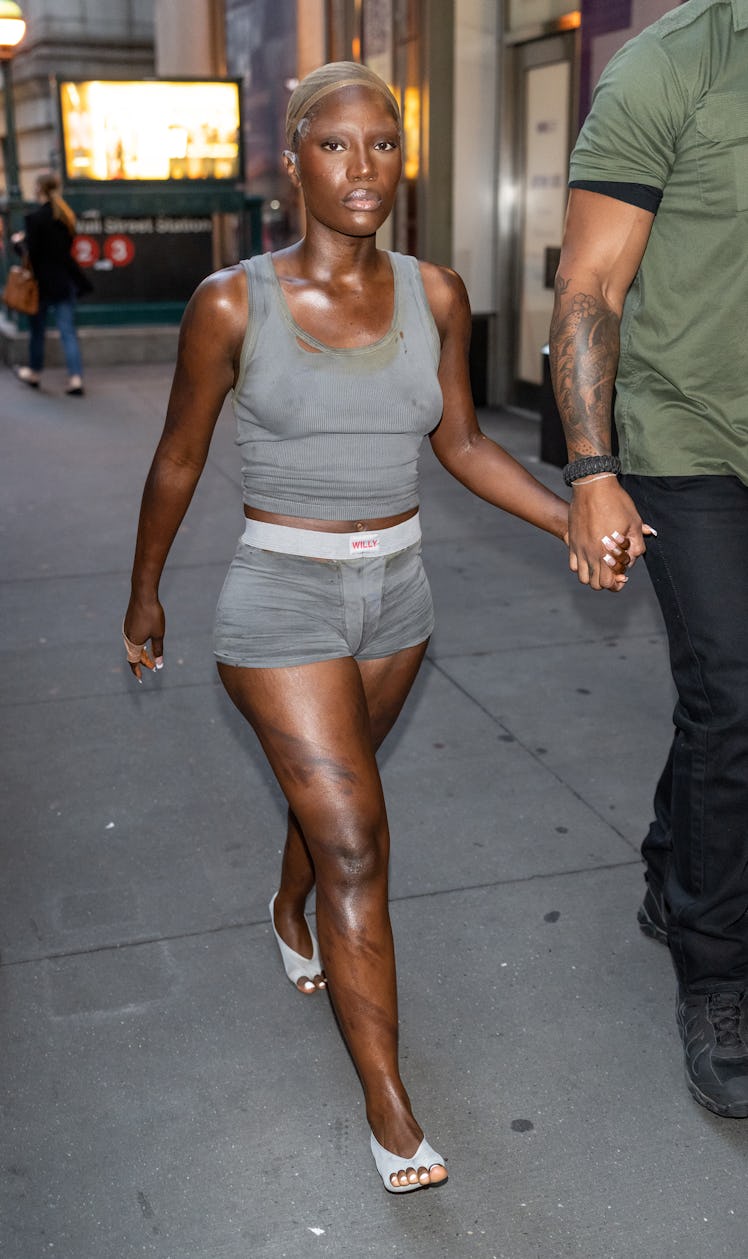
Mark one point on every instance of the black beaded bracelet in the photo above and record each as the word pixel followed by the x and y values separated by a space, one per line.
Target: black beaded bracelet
pixel 590 465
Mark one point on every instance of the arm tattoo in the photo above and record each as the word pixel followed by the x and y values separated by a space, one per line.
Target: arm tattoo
pixel 584 346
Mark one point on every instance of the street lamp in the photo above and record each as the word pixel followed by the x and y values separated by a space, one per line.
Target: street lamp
pixel 12 31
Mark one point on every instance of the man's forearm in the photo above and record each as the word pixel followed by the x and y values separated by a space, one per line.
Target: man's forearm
pixel 584 349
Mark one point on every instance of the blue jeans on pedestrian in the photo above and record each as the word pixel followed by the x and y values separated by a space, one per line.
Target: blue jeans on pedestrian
pixel 64 312
pixel 697 847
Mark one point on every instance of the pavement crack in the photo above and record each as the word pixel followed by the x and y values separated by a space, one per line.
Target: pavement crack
pixel 117 946
pixel 500 725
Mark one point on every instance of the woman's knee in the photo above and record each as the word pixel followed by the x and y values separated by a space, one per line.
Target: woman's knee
pixel 353 854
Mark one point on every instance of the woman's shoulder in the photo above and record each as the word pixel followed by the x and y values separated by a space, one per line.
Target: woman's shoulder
pixel 215 314
pixel 39 215
pixel 445 290
pixel 219 304
pixel 436 278
pixel 220 287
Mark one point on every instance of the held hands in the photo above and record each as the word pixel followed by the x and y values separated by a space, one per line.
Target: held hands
pixel 143 622
pixel 606 533
pixel 616 556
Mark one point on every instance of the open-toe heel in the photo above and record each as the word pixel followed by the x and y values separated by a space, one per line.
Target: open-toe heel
pixel 296 966
pixel 388 1164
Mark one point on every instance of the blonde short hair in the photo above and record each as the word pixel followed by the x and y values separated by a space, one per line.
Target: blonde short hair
pixel 326 79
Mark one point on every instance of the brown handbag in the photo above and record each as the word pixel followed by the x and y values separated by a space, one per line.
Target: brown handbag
pixel 21 290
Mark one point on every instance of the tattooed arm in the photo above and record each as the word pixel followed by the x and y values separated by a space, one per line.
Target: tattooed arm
pixel 604 242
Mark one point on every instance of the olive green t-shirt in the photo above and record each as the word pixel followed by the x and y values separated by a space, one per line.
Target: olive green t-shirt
pixel 671 112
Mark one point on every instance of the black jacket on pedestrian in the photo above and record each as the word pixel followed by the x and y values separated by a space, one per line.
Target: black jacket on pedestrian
pixel 48 244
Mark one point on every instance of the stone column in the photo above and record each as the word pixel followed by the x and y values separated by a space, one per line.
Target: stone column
pixel 190 38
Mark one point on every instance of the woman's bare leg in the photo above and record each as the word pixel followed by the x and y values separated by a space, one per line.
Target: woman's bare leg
pixel 314 724
pixel 296 882
pixel 387 683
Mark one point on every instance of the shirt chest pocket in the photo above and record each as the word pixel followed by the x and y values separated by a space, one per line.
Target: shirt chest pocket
pixel 722 158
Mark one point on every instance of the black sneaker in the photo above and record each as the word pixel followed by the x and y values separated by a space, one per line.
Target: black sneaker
pixel 715 1050
pixel 651 915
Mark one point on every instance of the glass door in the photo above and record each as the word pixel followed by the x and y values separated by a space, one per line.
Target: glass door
pixel 545 80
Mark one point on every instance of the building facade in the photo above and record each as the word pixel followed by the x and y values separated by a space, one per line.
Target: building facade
pixel 492 93
pixel 108 40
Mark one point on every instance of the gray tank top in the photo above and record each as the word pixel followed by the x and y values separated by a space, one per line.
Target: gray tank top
pixel 328 433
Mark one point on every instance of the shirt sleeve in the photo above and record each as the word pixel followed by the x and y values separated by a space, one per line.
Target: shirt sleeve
pixel 638 112
pixel 643 195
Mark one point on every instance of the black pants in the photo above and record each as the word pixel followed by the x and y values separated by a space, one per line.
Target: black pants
pixel 697 846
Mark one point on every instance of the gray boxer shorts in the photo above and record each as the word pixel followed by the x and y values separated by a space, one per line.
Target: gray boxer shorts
pixel 278 610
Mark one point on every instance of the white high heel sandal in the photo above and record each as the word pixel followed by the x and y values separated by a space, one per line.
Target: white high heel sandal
pixel 388 1163
pixel 296 966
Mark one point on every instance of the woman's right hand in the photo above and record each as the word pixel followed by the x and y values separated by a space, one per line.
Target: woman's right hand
pixel 144 621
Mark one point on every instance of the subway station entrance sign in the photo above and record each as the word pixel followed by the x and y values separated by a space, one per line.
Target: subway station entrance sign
pixel 144 258
pixel 152 168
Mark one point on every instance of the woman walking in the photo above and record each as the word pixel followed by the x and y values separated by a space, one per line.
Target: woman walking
pixel 341 357
pixel 48 239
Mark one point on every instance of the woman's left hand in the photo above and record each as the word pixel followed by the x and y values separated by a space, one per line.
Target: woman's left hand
pixel 616 556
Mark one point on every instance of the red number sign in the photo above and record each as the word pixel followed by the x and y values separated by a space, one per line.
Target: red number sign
pixel 119 250
pixel 85 251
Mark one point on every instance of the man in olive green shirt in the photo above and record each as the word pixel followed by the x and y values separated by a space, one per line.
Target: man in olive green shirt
pixel 652 298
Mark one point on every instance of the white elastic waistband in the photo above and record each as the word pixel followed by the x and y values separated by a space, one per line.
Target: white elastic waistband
pixel 332 546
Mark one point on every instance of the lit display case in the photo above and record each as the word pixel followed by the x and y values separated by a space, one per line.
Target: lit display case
pixel 150 130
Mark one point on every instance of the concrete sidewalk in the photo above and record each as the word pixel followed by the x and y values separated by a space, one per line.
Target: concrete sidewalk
pixel 166 1092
